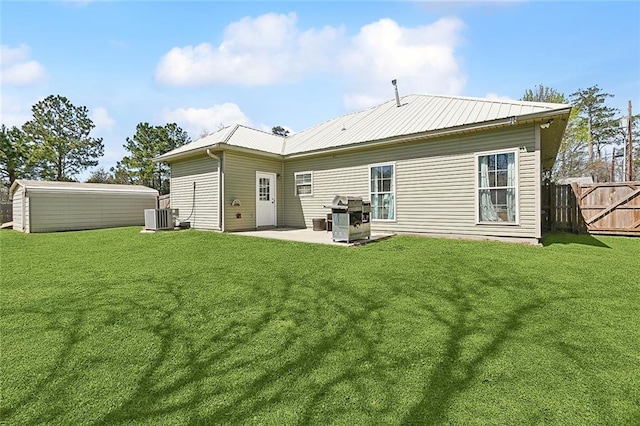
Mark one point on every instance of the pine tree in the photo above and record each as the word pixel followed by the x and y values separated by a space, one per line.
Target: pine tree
pixel 59 133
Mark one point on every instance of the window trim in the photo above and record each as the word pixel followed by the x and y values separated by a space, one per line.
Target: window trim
pixel 516 159
pixel 295 185
pixel 394 192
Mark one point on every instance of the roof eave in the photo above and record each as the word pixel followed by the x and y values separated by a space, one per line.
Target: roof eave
pixel 467 128
pixel 449 131
pixel 195 151
pixel 215 147
pixel 13 187
pixel 545 114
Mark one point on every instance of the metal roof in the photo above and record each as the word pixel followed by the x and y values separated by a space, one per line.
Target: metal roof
pixel 56 186
pixel 418 114
pixel 236 135
pixel 247 137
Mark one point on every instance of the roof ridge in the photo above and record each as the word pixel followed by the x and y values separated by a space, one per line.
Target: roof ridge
pixel 235 127
pixel 496 100
pixel 257 130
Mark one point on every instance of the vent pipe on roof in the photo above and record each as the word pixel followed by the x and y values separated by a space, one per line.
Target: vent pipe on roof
pixel 395 85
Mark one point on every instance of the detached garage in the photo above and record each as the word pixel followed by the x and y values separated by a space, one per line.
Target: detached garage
pixel 40 206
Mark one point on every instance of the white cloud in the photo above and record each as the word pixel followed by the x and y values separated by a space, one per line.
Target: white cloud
pixel 102 120
pixel 206 120
pixel 77 3
pixel 14 111
pixel 496 97
pixel 272 49
pixel 17 68
pixel 255 51
pixel 422 59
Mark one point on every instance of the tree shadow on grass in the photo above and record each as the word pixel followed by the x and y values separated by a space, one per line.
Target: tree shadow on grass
pixel 453 374
pixel 308 352
pixel 67 322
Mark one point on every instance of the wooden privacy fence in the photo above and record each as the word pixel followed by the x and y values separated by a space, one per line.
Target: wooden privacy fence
pixel 164 201
pixel 610 208
pixel 605 208
pixel 560 209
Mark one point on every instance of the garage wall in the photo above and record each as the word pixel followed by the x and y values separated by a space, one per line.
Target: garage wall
pixel 60 211
pixel 18 202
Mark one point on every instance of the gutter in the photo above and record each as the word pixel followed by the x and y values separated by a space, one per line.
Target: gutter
pixel 508 121
pixel 449 131
pixel 216 147
pixel 194 151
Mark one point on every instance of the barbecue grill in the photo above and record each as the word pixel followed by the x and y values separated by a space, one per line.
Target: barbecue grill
pixel 350 218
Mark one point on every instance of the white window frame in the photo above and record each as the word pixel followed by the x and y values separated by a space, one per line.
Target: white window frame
pixel 295 184
pixel 516 159
pixel 394 192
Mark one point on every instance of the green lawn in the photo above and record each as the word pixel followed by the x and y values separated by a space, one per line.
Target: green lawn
pixel 114 326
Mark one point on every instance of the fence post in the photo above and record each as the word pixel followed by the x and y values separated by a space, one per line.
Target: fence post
pixel 552 206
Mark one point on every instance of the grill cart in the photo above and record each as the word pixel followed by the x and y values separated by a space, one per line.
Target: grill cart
pixel 351 218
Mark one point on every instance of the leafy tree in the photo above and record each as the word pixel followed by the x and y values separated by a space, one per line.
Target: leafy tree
pixel 15 155
pixel 59 132
pixel 601 125
pixel 149 142
pixel 121 175
pixel 280 131
pixel 544 94
pixel 100 176
pixel 572 159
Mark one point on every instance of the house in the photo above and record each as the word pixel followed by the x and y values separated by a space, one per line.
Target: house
pixel 429 164
pixel 43 206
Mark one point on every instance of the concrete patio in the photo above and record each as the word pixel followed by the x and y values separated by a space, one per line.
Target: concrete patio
pixel 309 236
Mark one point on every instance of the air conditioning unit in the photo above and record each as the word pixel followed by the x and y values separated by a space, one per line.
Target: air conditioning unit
pixel 158 219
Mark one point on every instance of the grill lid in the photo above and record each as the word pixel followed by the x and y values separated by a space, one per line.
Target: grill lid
pixel 345 202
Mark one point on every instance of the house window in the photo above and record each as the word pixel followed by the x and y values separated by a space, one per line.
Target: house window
pixel 383 192
pixel 497 188
pixel 304 183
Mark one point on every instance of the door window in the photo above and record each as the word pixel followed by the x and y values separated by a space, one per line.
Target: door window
pixel 264 189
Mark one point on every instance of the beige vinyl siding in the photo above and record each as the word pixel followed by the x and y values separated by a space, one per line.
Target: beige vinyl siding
pixel 240 184
pixel 435 183
pixel 203 171
pixel 327 183
pixel 18 203
pixel 60 211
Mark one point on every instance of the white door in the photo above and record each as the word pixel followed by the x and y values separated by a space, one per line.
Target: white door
pixel 265 199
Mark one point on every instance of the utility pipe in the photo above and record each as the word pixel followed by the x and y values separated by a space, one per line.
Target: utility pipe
pixel 220 190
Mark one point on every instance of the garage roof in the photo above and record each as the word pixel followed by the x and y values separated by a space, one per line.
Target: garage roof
pixel 55 186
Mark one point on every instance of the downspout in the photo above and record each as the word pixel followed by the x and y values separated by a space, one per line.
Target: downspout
pixel 282 196
pixel 220 190
pixel 538 182
pixel 283 210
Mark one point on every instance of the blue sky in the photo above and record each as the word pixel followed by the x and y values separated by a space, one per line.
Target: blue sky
pixel 205 64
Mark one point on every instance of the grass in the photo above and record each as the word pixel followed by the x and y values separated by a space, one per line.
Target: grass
pixel 114 326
